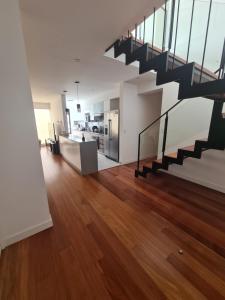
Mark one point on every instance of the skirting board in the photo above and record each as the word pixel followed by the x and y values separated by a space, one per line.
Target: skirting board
pixel 207 184
pixel 25 233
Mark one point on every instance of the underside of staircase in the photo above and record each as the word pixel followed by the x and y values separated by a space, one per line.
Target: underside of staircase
pixel 194 81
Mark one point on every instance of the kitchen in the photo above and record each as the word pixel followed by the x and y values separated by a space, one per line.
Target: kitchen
pixel 98 121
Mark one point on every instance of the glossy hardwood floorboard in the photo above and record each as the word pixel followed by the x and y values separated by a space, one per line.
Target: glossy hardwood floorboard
pixel 118 237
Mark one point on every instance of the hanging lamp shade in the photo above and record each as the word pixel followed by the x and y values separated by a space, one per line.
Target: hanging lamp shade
pixel 78 104
pixel 78 108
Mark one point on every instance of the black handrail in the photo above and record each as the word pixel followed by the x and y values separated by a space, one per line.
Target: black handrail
pixel 150 125
pixel 165 134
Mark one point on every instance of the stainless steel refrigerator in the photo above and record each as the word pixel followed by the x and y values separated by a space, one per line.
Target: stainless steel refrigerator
pixel 111 138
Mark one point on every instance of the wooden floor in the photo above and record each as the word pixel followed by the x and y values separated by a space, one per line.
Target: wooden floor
pixel 118 237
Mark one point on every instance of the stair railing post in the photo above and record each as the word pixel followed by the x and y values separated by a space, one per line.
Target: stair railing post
pixel 222 63
pixel 144 30
pixel 206 39
pixel 165 134
pixel 190 33
pixel 176 32
pixel 140 29
pixel 135 34
pixel 171 24
pixel 153 32
pixel 164 27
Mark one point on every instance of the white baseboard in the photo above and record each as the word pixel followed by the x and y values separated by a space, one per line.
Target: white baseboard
pixel 25 233
pixel 205 183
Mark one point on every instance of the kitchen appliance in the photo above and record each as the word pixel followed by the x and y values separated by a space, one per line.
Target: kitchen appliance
pixel 87 117
pixel 95 128
pixel 99 117
pixel 111 138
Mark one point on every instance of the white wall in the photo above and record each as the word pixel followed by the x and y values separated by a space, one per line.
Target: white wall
pixel 136 112
pixel 23 200
pixel 56 108
pixel 208 171
pixel 188 122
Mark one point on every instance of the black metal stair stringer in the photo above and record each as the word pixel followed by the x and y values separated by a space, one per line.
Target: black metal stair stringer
pixel 138 53
pixel 151 59
pixel 182 154
pixel 123 47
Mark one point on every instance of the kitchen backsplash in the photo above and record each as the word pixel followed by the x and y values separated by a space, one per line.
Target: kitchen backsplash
pixel 89 126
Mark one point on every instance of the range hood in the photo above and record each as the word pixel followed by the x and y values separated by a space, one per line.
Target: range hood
pixel 99 117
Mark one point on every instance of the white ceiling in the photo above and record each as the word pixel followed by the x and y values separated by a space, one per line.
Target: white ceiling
pixel 57 31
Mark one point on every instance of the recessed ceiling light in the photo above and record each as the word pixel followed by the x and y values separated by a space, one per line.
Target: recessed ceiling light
pixel 77 60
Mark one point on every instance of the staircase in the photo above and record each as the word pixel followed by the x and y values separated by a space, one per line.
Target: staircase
pixel 194 81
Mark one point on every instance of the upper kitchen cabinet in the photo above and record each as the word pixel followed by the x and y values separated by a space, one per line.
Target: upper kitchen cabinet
pixel 87 107
pixel 114 104
pixel 106 105
pixel 98 107
pixel 111 104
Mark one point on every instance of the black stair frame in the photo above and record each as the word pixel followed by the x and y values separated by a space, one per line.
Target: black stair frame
pixel 184 75
pixel 160 62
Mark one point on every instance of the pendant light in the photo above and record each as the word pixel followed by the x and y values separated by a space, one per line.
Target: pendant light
pixel 78 101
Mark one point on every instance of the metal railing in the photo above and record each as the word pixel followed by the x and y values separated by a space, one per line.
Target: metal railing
pixel 164 133
pixel 171 22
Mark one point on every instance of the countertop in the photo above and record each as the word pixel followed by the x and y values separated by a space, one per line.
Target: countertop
pixel 77 139
pixel 79 132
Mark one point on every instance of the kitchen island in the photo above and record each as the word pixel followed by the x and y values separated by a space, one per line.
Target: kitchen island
pixel 82 156
pixel 90 135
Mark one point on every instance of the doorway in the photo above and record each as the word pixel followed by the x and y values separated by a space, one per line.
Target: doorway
pixel 43 119
pixel 151 105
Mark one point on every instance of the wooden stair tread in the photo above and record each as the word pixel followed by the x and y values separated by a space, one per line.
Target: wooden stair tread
pixel 149 164
pixel 172 155
pixel 189 148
